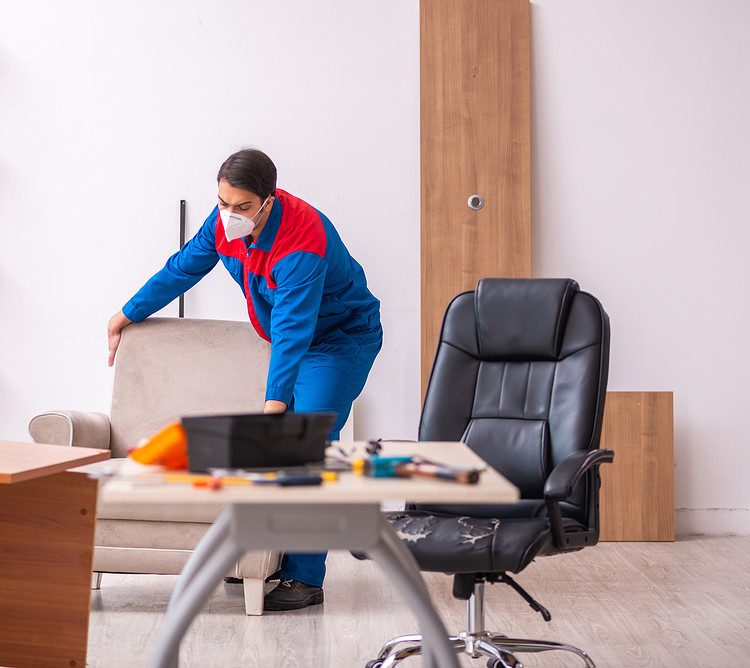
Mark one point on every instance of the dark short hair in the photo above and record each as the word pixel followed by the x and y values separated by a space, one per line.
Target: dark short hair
pixel 250 169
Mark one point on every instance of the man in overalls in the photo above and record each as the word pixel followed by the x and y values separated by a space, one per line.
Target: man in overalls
pixel 305 294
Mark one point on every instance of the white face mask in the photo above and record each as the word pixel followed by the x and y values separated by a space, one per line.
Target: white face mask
pixel 236 225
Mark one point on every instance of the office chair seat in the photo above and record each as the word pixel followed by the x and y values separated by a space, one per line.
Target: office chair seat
pixel 477 545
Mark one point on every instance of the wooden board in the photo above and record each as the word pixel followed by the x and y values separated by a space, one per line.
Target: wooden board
pixel 25 461
pixel 47 529
pixel 637 495
pixel 475 139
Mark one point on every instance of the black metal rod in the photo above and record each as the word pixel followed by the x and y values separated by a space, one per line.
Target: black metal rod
pixel 182 243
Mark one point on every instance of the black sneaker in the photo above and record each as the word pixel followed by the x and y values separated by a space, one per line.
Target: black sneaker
pixel 292 595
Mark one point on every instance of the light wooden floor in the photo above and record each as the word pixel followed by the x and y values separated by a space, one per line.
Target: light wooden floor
pixel 627 604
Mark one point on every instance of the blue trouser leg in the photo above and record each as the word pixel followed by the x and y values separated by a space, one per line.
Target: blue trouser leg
pixel 309 568
pixel 331 377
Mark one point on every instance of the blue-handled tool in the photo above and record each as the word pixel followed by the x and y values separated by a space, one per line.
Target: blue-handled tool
pixel 376 466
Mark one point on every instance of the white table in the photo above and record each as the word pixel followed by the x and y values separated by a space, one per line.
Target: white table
pixel 344 514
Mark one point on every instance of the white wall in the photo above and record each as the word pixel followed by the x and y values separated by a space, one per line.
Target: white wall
pixel 641 160
pixel 110 113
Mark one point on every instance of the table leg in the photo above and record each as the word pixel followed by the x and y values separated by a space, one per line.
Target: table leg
pixel 218 533
pixel 399 565
pixel 193 593
pixel 300 528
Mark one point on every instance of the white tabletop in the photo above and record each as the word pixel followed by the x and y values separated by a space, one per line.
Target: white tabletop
pixel 141 484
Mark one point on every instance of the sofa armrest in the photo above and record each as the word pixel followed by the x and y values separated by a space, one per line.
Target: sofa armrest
pixel 79 428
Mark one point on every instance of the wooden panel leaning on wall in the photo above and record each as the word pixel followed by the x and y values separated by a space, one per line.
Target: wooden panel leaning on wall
pixel 475 140
pixel 637 496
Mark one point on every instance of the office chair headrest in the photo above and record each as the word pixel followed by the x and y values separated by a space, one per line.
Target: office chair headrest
pixel 522 318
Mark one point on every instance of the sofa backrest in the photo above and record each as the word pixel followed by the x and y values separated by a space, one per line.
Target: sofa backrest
pixel 169 368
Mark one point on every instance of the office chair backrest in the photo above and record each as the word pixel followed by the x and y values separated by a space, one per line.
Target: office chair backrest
pixel 169 368
pixel 520 376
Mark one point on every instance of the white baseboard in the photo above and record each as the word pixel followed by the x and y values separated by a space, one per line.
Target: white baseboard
pixel 712 521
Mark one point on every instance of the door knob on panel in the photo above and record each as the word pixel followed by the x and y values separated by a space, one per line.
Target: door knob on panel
pixel 476 202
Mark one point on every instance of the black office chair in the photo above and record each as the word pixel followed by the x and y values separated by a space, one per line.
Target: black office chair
pixel 520 376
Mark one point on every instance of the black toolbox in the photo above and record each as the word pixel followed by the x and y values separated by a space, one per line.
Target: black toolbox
pixel 256 441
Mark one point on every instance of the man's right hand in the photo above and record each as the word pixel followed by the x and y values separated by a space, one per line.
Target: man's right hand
pixel 114 333
pixel 273 406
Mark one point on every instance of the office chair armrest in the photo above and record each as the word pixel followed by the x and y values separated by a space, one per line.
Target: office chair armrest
pixel 568 472
pixel 79 428
pixel 560 485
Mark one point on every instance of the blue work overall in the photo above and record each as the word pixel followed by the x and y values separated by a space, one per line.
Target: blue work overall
pixel 307 296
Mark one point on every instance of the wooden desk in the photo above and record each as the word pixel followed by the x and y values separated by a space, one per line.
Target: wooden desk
pixel 344 514
pixel 46 545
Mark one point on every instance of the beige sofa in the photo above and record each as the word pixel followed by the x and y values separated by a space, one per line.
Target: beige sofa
pixel 167 368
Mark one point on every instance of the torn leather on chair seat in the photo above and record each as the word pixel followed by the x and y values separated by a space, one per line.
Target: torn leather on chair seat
pixel 476 544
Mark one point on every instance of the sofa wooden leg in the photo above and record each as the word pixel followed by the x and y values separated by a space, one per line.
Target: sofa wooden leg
pixel 254 592
pixel 96 580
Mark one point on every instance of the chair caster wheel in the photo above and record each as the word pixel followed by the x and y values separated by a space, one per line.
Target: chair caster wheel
pixel 508 661
pixel 375 663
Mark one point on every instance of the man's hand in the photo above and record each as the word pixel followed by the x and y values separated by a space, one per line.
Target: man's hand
pixel 114 333
pixel 273 406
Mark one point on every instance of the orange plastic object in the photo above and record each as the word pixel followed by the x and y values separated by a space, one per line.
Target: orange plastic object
pixel 167 447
